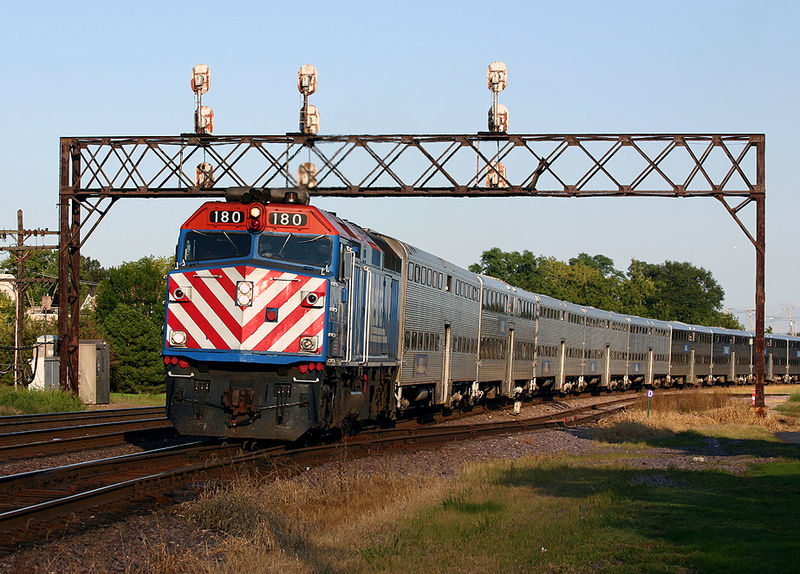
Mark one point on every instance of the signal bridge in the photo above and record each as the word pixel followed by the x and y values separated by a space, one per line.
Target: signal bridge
pixel 95 172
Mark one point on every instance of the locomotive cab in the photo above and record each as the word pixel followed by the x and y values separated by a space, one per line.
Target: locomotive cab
pixel 270 320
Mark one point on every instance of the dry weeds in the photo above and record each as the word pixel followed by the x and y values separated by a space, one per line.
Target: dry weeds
pixel 310 523
pixel 671 414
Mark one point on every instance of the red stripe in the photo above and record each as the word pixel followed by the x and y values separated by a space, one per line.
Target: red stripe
pixel 280 329
pixel 202 323
pixel 216 305
pixel 174 324
pixel 314 329
pixel 278 301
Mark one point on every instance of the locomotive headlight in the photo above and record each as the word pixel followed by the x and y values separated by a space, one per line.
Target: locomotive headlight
pixel 244 293
pixel 255 211
pixel 308 344
pixel 177 339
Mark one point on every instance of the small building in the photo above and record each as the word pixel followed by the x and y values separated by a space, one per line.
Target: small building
pixel 7 286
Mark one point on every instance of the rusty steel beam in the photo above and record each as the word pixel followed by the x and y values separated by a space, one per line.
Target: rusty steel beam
pixel 665 165
pixel 97 171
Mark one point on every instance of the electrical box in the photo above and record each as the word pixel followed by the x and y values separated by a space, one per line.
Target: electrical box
pixel 93 372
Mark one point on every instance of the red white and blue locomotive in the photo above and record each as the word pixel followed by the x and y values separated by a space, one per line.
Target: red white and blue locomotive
pixel 283 319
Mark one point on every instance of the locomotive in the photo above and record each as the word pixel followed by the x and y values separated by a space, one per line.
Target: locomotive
pixel 283 319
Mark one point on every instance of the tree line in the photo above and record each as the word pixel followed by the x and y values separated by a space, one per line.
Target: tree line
pixel 671 291
pixel 128 309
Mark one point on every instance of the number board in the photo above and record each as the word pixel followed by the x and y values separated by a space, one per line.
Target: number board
pixel 289 219
pixel 226 216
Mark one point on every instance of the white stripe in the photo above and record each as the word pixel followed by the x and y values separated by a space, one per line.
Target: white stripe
pixel 210 315
pixel 224 298
pixel 283 311
pixel 262 299
pixel 302 324
pixel 191 327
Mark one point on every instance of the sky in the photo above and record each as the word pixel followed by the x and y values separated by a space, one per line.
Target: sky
pixel 106 68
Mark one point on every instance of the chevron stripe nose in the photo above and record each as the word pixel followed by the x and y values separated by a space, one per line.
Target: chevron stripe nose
pixel 275 320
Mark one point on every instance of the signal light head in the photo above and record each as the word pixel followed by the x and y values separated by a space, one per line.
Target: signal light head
pixel 204 120
pixel 307 79
pixel 201 79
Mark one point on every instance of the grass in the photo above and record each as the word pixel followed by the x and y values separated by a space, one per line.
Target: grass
pixel 620 508
pixel 565 514
pixel 792 406
pixel 122 400
pixel 22 401
pixel 328 522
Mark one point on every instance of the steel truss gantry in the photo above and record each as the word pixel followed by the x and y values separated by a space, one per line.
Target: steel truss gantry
pixel 95 172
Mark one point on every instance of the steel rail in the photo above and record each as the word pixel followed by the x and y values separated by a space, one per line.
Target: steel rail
pixel 64 439
pixel 49 420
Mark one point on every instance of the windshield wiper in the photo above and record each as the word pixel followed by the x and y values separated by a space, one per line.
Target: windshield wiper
pixel 312 239
pixel 228 237
pixel 285 243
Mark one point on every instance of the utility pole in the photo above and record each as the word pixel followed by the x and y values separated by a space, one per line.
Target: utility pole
pixel 21 283
pixel 791 323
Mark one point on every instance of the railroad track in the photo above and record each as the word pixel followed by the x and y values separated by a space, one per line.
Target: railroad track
pixel 36 501
pixel 14 423
pixel 45 441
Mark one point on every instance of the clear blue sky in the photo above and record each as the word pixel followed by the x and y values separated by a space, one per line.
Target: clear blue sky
pixel 107 68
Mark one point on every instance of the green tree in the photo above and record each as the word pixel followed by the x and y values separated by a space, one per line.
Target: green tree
pixel 44 264
pixel 600 262
pixel 684 292
pixel 135 343
pixel 587 280
pixel 130 309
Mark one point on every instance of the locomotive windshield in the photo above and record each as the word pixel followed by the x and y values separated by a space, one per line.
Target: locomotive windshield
pixel 312 250
pixel 208 245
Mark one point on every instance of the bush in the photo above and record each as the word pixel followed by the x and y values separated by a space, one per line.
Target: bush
pixel 22 401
